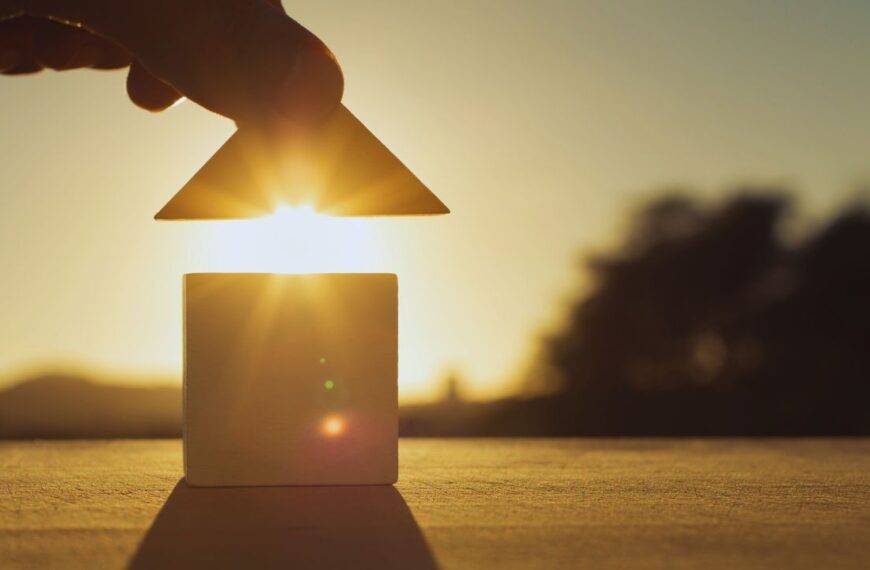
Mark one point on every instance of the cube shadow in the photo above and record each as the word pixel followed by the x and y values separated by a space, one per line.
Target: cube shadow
pixel 284 527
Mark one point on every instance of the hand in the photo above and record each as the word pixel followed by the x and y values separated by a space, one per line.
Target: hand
pixel 245 59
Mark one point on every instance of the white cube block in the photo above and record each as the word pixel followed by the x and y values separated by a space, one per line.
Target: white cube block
pixel 290 379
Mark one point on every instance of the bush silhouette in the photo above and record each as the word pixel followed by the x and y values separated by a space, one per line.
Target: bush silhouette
pixel 706 321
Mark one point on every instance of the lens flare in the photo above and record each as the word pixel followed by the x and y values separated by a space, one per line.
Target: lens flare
pixel 332 426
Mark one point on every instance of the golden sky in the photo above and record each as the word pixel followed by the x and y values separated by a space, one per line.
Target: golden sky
pixel 538 123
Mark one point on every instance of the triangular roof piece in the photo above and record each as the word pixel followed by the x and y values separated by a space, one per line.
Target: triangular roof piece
pixel 339 169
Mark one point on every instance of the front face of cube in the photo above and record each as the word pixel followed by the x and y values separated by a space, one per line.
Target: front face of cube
pixel 290 379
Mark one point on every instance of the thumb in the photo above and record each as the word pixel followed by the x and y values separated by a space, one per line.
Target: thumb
pixel 245 59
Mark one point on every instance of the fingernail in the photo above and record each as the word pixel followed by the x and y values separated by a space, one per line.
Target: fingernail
pixel 314 87
pixel 9 59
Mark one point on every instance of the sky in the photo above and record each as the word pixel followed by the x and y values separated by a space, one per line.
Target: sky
pixel 540 124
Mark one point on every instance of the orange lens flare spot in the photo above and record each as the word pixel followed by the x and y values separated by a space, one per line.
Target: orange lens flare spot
pixel 332 426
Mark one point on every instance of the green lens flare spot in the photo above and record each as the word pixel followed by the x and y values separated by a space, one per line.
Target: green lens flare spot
pixel 322 360
pixel 329 384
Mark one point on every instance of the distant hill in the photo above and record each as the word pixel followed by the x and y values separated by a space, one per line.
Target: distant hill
pixel 59 406
pixel 69 406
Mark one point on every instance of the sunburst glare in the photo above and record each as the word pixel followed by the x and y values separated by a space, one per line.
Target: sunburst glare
pixel 294 239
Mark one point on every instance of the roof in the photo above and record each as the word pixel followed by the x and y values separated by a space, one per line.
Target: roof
pixel 339 169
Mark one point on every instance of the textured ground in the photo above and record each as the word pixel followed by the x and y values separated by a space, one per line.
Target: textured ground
pixel 459 504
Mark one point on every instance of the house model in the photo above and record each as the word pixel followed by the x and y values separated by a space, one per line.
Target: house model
pixel 293 379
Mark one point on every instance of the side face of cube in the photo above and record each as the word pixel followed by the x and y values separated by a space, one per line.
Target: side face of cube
pixel 290 379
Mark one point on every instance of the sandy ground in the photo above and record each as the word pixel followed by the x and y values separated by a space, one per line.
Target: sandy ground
pixel 459 504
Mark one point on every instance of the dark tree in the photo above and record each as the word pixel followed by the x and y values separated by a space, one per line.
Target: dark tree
pixel 706 322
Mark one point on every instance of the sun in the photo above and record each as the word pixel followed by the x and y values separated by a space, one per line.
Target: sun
pixel 294 239
pixel 302 217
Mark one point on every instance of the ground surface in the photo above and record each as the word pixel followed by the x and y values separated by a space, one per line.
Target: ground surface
pixel 459 504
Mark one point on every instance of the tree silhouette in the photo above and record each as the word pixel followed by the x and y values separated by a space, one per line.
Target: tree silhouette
pixel 706 322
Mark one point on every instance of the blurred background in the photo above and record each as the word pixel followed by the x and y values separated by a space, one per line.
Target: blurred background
pixel 660 223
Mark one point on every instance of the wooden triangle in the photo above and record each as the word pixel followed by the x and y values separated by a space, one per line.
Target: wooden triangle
pixel 341 169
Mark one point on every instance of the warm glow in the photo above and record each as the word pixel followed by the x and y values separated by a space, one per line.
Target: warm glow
pixel 298 239
pixel 294 239
pixel 303 217
pixel 333 426
pixel 536 179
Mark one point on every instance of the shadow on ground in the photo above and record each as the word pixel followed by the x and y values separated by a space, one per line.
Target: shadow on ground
pixel 287 527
